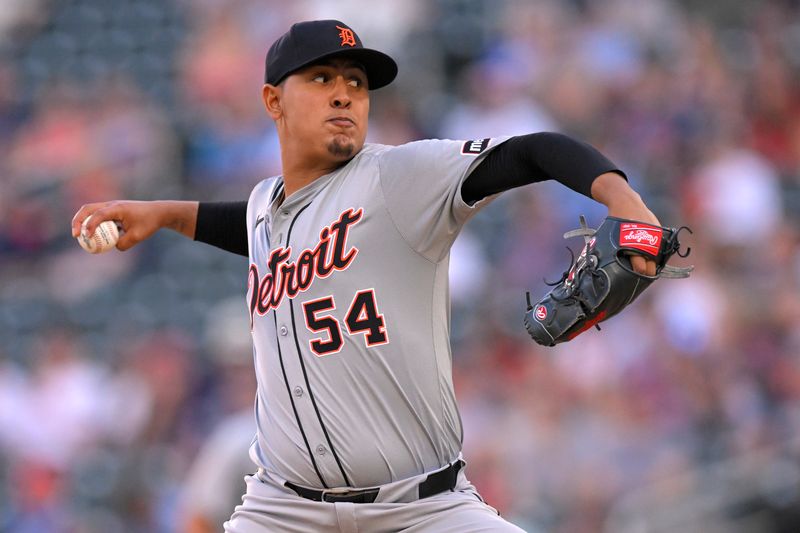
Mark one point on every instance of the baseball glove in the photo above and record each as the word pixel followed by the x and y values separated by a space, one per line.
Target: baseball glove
pixel 601 283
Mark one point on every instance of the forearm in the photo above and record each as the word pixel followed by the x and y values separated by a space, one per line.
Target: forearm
pixel 220 224
pixel 179 216
pixel 621 200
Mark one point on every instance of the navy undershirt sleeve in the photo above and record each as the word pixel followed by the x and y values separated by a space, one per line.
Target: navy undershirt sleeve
pixel 224 225
pixel 537 157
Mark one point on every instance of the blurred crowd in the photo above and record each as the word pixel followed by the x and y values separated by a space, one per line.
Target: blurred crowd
pixel 682 414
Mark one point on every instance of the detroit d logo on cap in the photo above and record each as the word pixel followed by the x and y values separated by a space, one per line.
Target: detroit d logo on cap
pixel 347 36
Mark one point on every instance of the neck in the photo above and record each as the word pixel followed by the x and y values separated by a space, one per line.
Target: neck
pixel 295 177
pixel 300 170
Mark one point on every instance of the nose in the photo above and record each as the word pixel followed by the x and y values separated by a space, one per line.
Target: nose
pixel 340 98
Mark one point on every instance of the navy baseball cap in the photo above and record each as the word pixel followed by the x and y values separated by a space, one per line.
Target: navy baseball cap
pixel 308 42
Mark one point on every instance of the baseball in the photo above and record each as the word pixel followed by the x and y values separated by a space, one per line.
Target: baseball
pixel 103 239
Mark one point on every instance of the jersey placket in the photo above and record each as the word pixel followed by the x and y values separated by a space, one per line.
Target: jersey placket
pixel 292 353
pixel 276 227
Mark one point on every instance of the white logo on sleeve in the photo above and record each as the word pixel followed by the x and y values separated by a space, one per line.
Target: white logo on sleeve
pixel 475 147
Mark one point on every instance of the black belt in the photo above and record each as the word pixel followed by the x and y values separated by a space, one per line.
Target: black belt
pixel 434 484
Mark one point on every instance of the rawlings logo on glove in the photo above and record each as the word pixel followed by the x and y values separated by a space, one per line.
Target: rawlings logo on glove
pixel 601 282
pixel 641 237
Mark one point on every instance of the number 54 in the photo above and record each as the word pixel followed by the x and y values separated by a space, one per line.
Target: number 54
pixel 362 317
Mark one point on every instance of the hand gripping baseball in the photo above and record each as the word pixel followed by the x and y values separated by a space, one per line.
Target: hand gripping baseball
pixel 138 220
pixel 601 282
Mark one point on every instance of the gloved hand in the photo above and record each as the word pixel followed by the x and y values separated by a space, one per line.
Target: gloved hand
pixel 601 283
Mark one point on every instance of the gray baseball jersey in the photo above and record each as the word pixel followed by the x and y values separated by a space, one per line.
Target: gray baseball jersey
pixel 349 309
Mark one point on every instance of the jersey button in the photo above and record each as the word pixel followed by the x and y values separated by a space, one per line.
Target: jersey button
pixel 284 331
pixel 321 449
pixel 285 213
pixel 298 391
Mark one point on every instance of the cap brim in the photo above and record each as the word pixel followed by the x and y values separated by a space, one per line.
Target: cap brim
pixel 381 69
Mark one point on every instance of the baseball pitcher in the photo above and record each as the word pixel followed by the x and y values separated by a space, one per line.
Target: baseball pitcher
pixel 347 292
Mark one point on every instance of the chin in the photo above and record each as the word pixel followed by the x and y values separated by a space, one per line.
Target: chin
pixel 342 148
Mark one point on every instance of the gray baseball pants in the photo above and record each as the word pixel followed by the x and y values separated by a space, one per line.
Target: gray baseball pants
pixel 270 506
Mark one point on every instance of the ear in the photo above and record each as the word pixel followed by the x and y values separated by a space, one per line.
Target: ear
pixel 272 94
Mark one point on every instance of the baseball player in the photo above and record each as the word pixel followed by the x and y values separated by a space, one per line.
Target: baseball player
pixel 347 292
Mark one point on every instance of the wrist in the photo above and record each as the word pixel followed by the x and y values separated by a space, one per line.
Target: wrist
pixel 613 191
pixel 623 201
pixel 611 188
pixel 179 216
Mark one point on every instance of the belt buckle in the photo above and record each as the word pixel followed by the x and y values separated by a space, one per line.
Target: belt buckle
pixel 331 497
